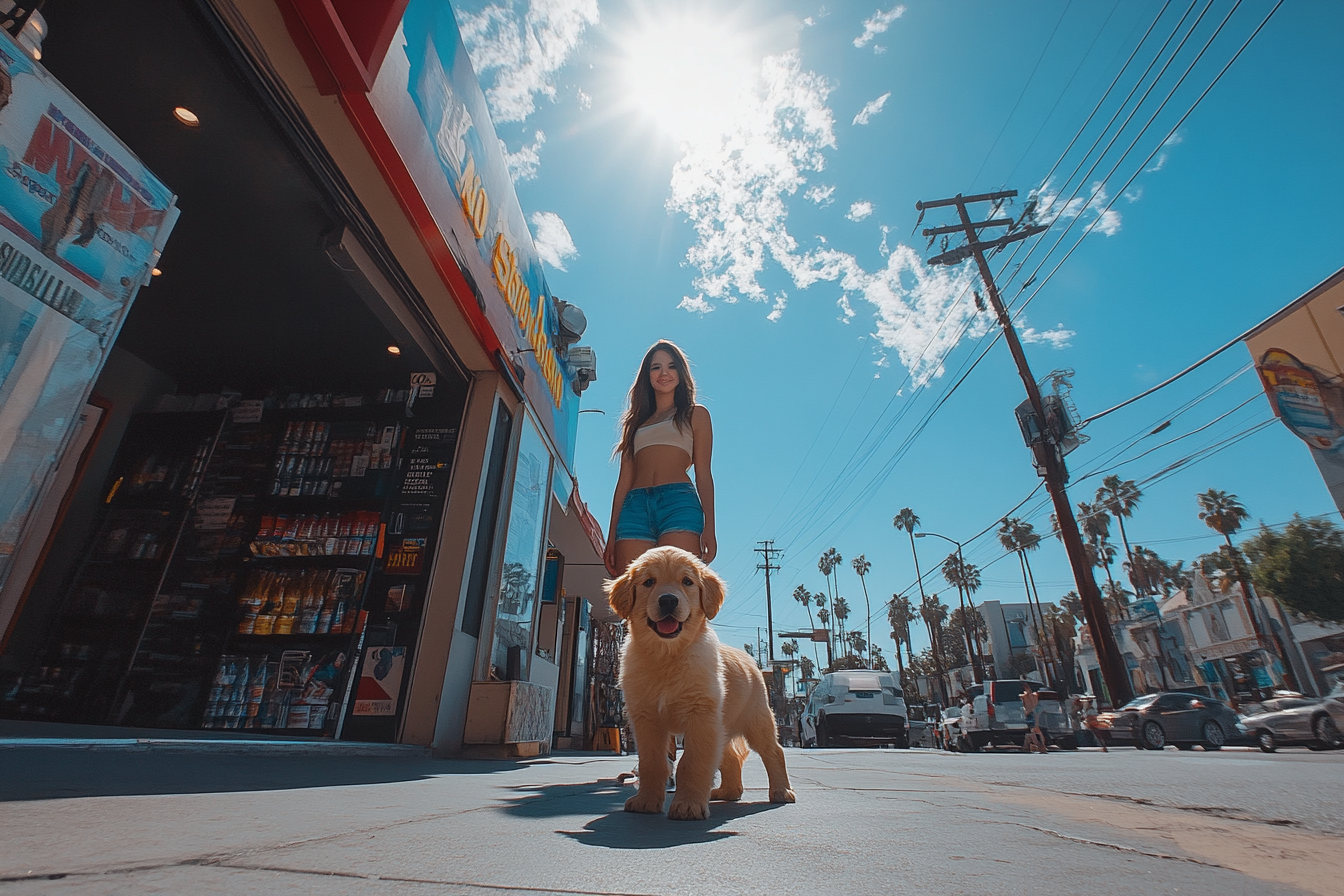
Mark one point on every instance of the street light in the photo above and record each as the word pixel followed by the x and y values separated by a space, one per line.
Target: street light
pixel 974 642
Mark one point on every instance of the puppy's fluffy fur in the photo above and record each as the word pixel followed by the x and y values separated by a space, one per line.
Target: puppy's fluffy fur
pixel 678 679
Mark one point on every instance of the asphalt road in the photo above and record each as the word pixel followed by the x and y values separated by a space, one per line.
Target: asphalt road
pixel 81 821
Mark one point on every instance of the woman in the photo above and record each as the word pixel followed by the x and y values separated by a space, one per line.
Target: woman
pixel 663 433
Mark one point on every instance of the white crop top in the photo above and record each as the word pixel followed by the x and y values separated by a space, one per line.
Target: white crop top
pixel 665 433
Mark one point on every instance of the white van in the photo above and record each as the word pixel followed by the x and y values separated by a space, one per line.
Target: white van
pixel 857 706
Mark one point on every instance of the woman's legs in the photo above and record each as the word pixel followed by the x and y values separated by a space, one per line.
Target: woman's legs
pixel 687 541
pixel 628 551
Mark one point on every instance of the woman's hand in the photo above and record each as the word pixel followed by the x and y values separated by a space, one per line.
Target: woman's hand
pixel 609 556
pixel 709 546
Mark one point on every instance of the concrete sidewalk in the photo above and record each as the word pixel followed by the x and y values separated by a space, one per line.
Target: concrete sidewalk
pixel 156 819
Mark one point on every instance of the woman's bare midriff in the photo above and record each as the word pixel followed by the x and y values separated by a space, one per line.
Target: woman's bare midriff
pixel 660 465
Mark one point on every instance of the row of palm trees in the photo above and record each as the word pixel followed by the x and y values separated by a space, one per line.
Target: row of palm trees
pixel 956 636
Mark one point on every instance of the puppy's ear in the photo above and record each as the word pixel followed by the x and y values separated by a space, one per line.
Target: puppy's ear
pixel 712 591
pixel 621 594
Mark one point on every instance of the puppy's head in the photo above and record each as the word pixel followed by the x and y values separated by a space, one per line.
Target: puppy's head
pixel 666 594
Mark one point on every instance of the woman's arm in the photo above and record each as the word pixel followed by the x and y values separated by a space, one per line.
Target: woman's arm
pixel 623 483
pixel 703 449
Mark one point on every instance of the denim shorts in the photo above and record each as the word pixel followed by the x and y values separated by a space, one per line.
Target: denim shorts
pixel 648 513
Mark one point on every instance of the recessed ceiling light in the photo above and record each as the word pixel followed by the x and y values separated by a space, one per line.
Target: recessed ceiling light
pixel 187 117
pixel 156 272
pixel 394 350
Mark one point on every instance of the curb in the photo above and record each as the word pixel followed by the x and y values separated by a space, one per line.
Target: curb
pixel 254 747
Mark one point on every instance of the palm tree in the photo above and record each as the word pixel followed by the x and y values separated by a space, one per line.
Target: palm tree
pixel 900 613
pixel 824 617
pixel 863 567
pixel 1061 624
pixel 804 597
pixel 907 522
pixel 841 608
pixel 1116 599
pixel 857 643
pixel 1020 536
pixel 1224 514
pixel 1119 500
pixel 1147 572
pixel 957 572
pixel 1073 605
pixel 827 564
pixel 935 614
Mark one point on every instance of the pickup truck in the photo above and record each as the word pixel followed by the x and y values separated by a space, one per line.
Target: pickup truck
pixel 994 716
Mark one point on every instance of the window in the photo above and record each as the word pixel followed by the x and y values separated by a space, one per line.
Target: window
pixel 519 583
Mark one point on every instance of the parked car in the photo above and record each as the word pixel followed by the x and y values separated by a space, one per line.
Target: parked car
pixel 857 706
pixel 1152 721
pixel 1292 721
pixel 1330 730
pixel 995 716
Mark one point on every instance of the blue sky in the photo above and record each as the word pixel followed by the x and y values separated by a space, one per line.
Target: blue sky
pixel 741 178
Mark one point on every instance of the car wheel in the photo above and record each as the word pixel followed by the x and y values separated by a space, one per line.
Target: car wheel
pixel 1214 738
pixel 1068 742
pixel 1327 732
pixel 1152 737
pixel 1267 742
pixel 823 740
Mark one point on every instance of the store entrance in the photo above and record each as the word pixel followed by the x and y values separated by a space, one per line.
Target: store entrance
pixel 247 541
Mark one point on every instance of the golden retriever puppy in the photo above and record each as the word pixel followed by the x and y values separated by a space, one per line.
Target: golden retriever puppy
pixel 678 679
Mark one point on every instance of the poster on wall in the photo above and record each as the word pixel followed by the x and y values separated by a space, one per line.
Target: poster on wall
pixel 82 223
pixel 380 681
pixel 1307 403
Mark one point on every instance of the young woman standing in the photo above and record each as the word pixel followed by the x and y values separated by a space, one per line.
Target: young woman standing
pixel 663 434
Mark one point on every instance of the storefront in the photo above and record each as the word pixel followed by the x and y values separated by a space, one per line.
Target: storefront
pixel 323 483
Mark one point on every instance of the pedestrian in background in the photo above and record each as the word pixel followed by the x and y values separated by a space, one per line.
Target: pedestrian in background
pixel 1035 739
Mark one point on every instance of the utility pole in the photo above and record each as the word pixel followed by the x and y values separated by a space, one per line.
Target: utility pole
pixel 768 551
pixel 1045 439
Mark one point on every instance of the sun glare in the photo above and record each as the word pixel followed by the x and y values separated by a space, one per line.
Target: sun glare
pixel 687 75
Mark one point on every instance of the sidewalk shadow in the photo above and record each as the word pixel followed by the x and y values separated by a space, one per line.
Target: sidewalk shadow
pixel 629 830
pixel 614 828
pixel 44 774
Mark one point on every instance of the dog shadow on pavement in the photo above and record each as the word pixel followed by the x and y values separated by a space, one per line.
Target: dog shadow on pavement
pixel 615 828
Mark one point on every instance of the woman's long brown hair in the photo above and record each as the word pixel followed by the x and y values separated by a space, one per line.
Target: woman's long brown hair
pixel 641 403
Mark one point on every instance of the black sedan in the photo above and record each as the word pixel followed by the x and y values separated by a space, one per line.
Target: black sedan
pixel 1294 721
pixel 1152 721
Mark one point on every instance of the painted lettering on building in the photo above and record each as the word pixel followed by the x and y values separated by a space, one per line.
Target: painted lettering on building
pixel 530 313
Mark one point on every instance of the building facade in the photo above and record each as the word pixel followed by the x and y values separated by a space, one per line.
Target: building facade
pixel 317 480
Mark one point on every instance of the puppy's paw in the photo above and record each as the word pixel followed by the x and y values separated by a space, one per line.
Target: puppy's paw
pixel 727 796
pixel 648 803
pixel 683 809
pixel 782 796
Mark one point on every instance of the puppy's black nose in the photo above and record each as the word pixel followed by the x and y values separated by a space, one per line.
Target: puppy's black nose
pixel 667 604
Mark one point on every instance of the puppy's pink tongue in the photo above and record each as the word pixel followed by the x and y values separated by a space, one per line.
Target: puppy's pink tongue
pixel 668 626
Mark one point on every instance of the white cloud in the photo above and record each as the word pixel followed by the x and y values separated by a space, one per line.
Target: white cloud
pixel 819 194
pixel 732 187
pixel 871 109
pixel 884 249
pixel 877 23
pixel 1049 208
pixel 520 54
pixel 552 239
pixel 781 302
pixel 697 305
pixel 733 191
pixel 1162 156
pixel 860 210
pixel 524 163
pixel 1057 338
pixel 585 101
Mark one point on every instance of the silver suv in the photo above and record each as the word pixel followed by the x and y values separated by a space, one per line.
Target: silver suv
pixel 995 716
